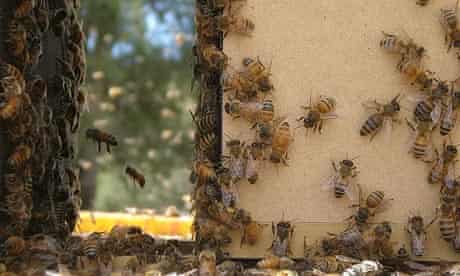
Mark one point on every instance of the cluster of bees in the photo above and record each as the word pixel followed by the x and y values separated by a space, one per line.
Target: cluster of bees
pixel 437 105
pixel 41 103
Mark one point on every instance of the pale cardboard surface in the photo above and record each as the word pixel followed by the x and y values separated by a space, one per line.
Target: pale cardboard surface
pixel 332 47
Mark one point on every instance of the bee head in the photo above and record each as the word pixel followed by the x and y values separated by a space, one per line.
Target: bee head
pixel 265 84
pixel 403 253
pixel 348 163
pixel 275 157
pixel 247 61
pixel 451 149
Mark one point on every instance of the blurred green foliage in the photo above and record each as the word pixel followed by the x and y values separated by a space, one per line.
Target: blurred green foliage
pixel 138 82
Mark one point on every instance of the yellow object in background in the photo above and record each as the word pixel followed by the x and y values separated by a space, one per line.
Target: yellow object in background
pixel 153 224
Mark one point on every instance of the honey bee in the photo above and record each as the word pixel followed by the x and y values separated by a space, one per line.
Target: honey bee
pixel 254 112
pixel 207 261
pixel 449 190
pixel 432 105
pixel 21 154
pixel 213 58
pixel 251 232
pixel 136 176
pixel 416 74
pixel 446 217
pixel 101 137
pixel 449 22
pixel 204 169
pixel 14 246
pixel 230 195
pixel 243 88
pixel 283 233
pixel 403 45
pixel 368 207
pixel 256 71
pixel 16 42
pixel 251 165
pixel 422 2
pixel 349 242
pixel 418 234
pixel 57 22
pixel 14 77
pixel 318 113
pixel 384 113
pixel 224 215
pixel 380 244
pixel 90 245
pixel 229 268
pixel 282 138
pixel 341 181
pixel 456 241
pixel 443 163
pixel 449 118
pixel 422 142
pixel 206 229
pixel 234 24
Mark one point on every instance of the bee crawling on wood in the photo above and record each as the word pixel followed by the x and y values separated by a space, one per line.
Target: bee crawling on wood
pixel 404 46
pixel 368 207
pixel 445 214
pixel 433 105
pixel 383 113
pixel 443 164
pixel 341 180
pixel 137 177
pixel 254 112
pixel 283 233
pixel 449 118
pixel 380 244
pixel 238 84
pixel 282 139
pixel 256 71
pixel 422 142
pixel 449 21
pixel 251 231
pixel 318 113
pixel 101 137
pixel 418 234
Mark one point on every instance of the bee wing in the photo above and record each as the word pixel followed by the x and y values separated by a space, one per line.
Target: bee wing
pixel 387 129
pixel 251 167
pixel 351 191
pixel 372 105
pixel 329 182
pixel 436 113
pixel 417 98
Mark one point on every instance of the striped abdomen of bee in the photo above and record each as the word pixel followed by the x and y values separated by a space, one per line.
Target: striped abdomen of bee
pixel 101 137
pixel 374 199
pixel 372 125
pixel 205 122
pixel 241 25
pixel 446 127
pixel 340 188
pixel 206 141
pixel 268 111
pixel 447 227
pixel 392 43
pixel 9 70
pixel 90 245
pixel 326 105
pixel 420 146
pixel 21 154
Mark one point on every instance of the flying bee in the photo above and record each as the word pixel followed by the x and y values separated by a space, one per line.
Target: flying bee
pixel 254 112
pixel 341 180
pixel 234 24
pixel 283 233
pixel 422 142
pixel 101 137
pixel 318 113
pixel 443 164
pixel 20 155
pixel 282 139
pixel 256 71
pixel 384 113
pixel 422 2
pixel 418 234
pixel 449 21
pixel 136 176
